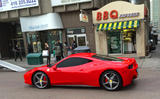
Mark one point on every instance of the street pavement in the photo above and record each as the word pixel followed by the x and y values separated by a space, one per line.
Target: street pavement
pixel 147 86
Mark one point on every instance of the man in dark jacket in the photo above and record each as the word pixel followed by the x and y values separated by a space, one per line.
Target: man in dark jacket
pixel 18 52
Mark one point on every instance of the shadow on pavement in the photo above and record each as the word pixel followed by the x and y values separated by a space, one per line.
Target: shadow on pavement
pixel 131 86
pixel 84 87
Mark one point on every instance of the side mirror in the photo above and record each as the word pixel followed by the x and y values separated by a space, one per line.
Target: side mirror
pixel 54 68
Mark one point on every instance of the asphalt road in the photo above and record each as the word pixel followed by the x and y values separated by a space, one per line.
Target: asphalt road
pixel 147 86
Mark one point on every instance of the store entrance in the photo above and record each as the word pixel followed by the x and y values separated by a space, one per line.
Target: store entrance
pixel 20 42
pixel 129 41
pixel 80 39
pixel 114 43
pixel 122 42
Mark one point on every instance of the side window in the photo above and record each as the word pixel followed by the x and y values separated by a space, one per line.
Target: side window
pixel 74 61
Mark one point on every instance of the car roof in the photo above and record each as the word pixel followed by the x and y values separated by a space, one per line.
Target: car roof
pixel 82 54
pixel 82 48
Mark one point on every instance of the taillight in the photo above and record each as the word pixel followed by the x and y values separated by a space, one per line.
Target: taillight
pixel 130 66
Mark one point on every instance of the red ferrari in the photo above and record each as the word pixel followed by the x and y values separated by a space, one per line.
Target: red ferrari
pixel 85 69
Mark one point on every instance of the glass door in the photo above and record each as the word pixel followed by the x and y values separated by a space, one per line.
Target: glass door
pixel 71 38
pixel 81 40
pixel 114 43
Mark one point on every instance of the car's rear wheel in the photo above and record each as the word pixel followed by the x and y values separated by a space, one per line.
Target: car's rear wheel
pixel 40 80
pixel 111 80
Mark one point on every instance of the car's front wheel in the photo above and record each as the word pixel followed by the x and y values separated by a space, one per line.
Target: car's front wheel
pixel 111 80
pixel 40 80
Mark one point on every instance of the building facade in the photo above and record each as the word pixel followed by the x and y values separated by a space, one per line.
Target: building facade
pixel 155 14
pixel 120 30
pixel 10 13
pixel 31 24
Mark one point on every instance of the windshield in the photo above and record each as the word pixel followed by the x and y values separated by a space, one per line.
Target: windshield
pixel 106 58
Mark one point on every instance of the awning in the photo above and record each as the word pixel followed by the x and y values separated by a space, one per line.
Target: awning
pixel 118 25
pixel 48 21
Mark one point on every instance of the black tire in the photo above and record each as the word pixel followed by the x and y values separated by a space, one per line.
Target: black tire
pixel 40 80
pixel 111 80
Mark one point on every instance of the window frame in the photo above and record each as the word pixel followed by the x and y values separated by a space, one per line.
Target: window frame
pixel 107 58
pixel 89 60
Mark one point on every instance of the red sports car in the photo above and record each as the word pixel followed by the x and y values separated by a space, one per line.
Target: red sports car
pixel 85 69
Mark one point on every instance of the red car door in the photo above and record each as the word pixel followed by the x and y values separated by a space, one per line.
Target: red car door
pixel 70 71
pixel 68 75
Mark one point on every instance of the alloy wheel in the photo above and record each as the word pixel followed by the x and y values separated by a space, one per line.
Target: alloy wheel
pixel 40 80
pixel 111 80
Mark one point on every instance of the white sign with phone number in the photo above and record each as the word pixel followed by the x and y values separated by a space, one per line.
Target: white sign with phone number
pixel 65 2
pixel 6 5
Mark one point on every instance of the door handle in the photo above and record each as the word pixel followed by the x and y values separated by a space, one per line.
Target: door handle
pixel 58 70
pixel 81 69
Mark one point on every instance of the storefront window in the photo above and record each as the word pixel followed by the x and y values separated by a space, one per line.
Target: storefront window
pixel 36 40
pixel 129 41
pixel 53 37
pixel 34 43
pixel 81 40
pixel 77 35
pixel 122 42
pixel 114 42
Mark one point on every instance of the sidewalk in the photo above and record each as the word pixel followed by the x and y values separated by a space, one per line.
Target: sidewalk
pixel 24 63
pixel 152 62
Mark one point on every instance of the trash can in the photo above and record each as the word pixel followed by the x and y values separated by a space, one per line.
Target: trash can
pixel 34 59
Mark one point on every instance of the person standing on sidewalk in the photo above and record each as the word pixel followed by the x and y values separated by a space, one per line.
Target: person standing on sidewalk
pixel 61 48
pixel 18 52
pixel 58 51
pixel 66 49
pixel 46 47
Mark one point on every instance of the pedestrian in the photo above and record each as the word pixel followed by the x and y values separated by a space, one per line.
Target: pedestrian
pixel 74 45
pixel 58 51
pixel 66 49
pixel 30 49
pixel 61 48
pixel 70 50
pixel 46 47
pixel 18 52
